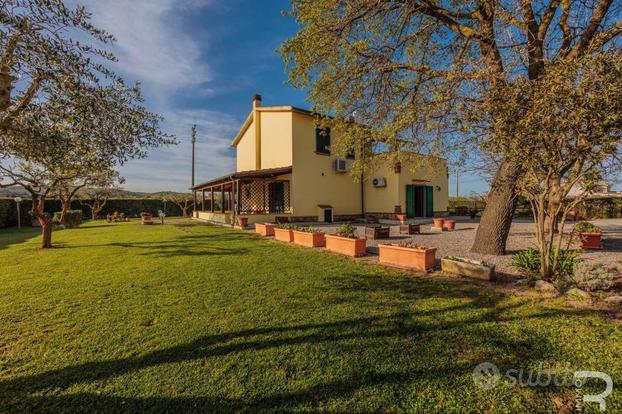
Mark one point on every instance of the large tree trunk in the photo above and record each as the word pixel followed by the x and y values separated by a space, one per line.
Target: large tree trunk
pixel 46 232
pixel 65 207
pixel 494 227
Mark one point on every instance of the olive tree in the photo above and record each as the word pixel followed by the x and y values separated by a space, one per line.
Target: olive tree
pixel 41 54
pixel 567 133
pixel 419 73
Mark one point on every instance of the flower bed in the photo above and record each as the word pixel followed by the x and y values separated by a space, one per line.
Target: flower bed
pixel 283 234
pixel 469 268
pixel 408 255
pixel 344 241
pixel 309 237
pixel 265 229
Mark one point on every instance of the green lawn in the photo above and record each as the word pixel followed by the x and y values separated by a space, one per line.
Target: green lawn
pixel 195 318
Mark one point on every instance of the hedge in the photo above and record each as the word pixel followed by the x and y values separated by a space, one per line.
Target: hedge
pixel 130 207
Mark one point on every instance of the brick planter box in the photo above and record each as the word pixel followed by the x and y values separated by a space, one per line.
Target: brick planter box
pixel 265 229
pixel 346 245
pixel 469 268
pixel 285 235
pixel 304 238
pixel 590 241
pixel 423 259
pixel 410 228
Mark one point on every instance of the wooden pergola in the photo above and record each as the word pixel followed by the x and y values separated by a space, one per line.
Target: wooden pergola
pixel 230 188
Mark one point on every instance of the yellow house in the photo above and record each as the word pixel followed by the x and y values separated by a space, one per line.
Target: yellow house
pixel 285 169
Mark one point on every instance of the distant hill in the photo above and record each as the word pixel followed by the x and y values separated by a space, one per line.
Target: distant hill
pixel 119 194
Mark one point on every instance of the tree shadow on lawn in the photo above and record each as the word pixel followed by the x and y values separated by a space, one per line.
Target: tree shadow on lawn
pixel 185 245
pixel 13 236
pixel 398 350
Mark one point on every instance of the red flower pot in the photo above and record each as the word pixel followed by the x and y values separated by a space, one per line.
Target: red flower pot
pixel 346 245
pixel 285 235
pixel 304 238
pixel 590 241
pixel 401 217
pixel 242 221
pixel 438 222
pixel 265 229
pixel 423 259
pixel 449 225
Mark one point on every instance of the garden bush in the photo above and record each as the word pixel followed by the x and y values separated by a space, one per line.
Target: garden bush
pixel 346 230
pixel 590 276
pixel 528 263
pixel 73 218
pixel 130 207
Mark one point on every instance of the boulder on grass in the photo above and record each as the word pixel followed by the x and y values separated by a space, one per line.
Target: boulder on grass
pixel 545 287
pixel 614 300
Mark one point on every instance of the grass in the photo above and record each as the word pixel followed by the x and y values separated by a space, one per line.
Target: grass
pixel 195 318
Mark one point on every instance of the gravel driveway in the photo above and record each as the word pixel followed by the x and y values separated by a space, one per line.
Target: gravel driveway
pixel 459 242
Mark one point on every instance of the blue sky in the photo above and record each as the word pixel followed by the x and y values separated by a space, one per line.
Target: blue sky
pixel 201 61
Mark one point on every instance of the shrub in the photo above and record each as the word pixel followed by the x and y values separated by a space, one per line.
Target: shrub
pixel 346 230
pixel 590 276
pixel 528 262
pixel 586 227
pixel 73 218
pixel 410 244
pixel 116 217
pixel 308 229
pixel 286 226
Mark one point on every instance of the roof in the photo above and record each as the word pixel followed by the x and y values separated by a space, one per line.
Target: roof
pixel 265 173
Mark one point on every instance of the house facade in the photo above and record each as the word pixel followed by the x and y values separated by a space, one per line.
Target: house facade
pixel 284 168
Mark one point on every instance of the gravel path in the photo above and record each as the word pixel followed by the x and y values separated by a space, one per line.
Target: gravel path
pixel 458 242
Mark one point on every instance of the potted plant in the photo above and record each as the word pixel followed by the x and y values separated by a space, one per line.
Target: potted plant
pixel 469 268
pixel 438 222
pixel 449 225
pixel 408 254
pixel 309 236
pixel 401 217
pixel 265 229
pixel 242 221
pixel 344 241
pixel 283 232
pixel 589 234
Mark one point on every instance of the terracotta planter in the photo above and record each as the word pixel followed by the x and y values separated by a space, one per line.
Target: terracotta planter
pixel 590 241
pixel 449 225
pixel 265 229
pixel 146 219
pixel 419 259
pixel 303 238
pixel 468 268
pixel 438 222
pixel 401 217
pixel 285 235
pixel 346 245
pixel 242 221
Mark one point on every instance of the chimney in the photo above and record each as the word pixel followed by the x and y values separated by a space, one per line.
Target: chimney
pixel 256 101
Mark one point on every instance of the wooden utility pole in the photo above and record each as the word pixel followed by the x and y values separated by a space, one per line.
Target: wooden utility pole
pixel 194 140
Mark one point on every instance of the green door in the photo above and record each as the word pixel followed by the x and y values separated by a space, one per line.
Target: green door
pixel 429 201
pixel 410 201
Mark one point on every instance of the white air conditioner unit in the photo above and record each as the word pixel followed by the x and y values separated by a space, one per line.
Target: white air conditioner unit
pixel 341 165
pixel 379 182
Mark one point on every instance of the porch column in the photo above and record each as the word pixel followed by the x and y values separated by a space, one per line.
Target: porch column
pixel 222 197
pixel 230 196
pixel 203 200
pixel 194 201
pixel 237 196
pixel 212 200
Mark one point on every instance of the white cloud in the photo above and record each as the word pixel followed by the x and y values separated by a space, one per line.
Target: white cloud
pixel 152 44
pixel 155 46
